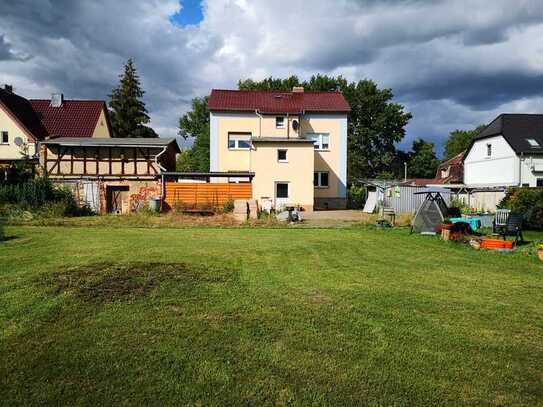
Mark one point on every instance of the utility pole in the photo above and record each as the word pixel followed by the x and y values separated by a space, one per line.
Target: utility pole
pixel 405 171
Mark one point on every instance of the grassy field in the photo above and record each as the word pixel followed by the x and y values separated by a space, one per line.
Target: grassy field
pixel 203 316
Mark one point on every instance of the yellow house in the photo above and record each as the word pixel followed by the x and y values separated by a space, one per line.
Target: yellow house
pixel 294 142
pixel 26 122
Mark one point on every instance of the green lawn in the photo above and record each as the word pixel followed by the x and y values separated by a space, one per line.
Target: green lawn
pixel 265 316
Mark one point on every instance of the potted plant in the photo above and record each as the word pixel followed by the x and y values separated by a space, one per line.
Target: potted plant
pixel 540 251
pixel 446 229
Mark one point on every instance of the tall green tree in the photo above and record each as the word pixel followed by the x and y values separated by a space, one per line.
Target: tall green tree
pixel 127 111
pixel 195 124
pixel 423 162
pixel 460 140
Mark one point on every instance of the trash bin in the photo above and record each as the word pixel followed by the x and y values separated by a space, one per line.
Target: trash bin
pixel 154 204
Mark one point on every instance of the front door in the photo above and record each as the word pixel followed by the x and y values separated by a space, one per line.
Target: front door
pixel 115 196
pixel 282 193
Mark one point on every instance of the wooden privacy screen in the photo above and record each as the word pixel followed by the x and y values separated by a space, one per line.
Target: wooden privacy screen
pixel 208 194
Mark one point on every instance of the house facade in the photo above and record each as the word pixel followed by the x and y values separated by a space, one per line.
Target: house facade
pixel 295 143
pixel 26 122
pixel 508 152
pixel 109 175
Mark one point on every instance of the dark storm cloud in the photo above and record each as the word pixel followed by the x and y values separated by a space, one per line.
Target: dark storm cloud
pixel 453 63
pixel 480 91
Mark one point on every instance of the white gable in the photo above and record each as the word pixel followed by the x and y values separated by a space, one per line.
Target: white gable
pixel 500 168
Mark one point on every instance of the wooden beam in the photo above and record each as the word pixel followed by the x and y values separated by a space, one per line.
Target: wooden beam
pixel 84 161
pixel 122 161
pixel 97 157
pixel 110 163
pixel 135 161
pixel 72 150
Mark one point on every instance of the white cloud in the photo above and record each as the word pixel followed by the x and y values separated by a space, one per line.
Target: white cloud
pixel 453 63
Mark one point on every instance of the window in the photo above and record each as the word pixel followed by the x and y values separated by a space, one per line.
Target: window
pixel 320 179
pixel 489 150
pixel 533 142
pixel 539 182
pixel 279 122
pixel 321 140
pixel 281 190
pixel 5 138
pixel 239 141
pixel 282 156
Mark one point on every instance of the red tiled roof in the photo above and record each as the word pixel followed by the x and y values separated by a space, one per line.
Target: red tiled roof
pixel 456 170
pixel 75 118
pixel 277 101
pixel 21 110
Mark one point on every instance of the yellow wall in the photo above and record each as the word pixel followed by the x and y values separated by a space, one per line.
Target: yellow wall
pixel 298 171
pixel 101 129
pixel 11 151
pixel 235 160
pixel 326 160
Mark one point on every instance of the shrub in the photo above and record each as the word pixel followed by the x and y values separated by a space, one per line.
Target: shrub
pixel 228 206
pixel 527 201
pixel 460 205
pixel 39 196
pixel 356 197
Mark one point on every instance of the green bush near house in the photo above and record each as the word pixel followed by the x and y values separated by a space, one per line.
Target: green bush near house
pixel 228 206
pixel 356 196
pixel 529 202
pixel 38 196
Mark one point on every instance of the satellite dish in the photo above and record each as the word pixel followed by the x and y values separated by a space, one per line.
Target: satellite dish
pixel 295 124
pixel 18 141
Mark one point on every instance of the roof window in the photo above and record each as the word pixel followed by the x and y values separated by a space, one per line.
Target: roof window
pixel 533 142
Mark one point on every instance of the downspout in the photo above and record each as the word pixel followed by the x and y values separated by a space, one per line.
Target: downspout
pixel 259 135
pixel 158 155
pixel 288 127
pixel 520 169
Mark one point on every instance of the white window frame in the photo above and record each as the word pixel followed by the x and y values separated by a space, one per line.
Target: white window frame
pixel 282 125
pixel 285 160
pixel 2 137
pixel 319 179
pixel 488 150
pixel 318 139
pixel 237 137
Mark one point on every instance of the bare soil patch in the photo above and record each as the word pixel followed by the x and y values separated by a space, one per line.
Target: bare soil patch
pixel 109 282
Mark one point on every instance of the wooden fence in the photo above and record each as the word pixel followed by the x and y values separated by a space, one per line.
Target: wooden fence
pixel 204 194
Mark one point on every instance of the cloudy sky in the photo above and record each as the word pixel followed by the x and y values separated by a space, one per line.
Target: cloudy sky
pixel 454 64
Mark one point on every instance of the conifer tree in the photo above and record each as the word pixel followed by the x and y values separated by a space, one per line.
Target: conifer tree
pixel 127 111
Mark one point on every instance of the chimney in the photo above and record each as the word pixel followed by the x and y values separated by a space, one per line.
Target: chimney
pixel 57 99
pixel 298 89
pixel 8 88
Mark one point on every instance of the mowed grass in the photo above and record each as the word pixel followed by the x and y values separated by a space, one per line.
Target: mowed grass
pixel 357 316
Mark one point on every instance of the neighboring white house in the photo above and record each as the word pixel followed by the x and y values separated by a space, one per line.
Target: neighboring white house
pixel 508 152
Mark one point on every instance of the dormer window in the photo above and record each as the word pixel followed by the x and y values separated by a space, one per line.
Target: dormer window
pixel 489 150
pixel 279 122
pixel 533 143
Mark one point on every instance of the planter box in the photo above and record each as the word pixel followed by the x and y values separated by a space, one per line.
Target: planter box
pixel 496 244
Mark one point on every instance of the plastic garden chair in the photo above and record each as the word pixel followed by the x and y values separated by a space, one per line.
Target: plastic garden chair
pixel 500 220
pixel 513 227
